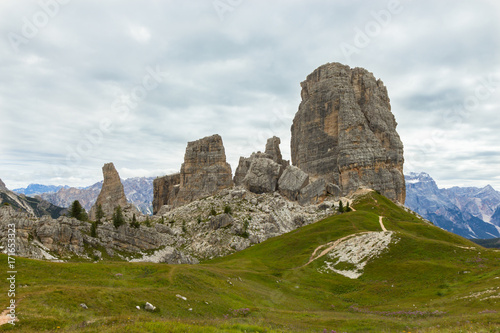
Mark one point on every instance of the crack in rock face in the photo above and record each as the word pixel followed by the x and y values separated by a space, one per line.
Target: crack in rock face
pixel 350 257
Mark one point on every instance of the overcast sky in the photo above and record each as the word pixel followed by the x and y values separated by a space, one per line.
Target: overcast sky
pixel 83 83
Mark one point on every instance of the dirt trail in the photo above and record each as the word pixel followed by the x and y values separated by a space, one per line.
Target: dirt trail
pixel 381 223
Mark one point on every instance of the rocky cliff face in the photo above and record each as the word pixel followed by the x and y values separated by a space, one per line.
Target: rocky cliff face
pixel 112 194
pixel 203 173
pixel 345 133
pixel 46 238
pixel 165 190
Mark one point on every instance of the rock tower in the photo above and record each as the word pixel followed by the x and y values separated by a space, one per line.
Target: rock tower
pixel 345 133
pixel 112 193
pixel 203 173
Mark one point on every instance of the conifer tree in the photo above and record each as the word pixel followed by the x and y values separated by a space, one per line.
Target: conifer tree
pixel 99 213
pixel 76 210
pixel 118 219
pixel 341 206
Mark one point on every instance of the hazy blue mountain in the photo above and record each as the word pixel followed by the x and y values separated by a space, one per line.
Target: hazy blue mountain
pixel 33 189
pixel 139 191
pixel 466 211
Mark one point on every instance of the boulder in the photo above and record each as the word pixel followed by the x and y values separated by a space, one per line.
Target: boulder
pixel 333 190
pixel 220 221
pixel 149 307
pixel 262 176
pixel 345 132
pixel 292 181
pixel 313 193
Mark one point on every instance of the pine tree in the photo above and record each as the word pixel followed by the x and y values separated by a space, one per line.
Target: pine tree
pixel 134 223
pixel 76 210
pixel 341 206
pixel 99 213
pixel 118 219
pixel 347 208
pixel 93 229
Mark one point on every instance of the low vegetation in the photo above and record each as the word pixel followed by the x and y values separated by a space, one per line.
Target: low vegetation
pixel 428 281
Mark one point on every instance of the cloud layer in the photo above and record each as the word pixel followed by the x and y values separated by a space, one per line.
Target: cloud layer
pixel 89 82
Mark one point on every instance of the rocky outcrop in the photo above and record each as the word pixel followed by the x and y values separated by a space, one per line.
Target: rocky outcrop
pixel 203 173
pixel 2 186
pixel 112 194
pixel 273 150
pixel 260 172
pixel 292 181
pixel 165 190
pixel 262 176
pixel 242 169
pixel 345 133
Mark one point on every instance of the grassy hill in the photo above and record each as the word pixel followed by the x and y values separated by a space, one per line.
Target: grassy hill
pixel 426 280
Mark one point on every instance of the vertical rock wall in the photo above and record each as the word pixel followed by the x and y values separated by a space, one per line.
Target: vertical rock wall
pixel 345 132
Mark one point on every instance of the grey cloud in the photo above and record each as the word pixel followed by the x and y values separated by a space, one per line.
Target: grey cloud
pixel 238 77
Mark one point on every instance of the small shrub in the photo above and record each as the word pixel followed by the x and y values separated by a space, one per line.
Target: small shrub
pixel 147 222
pixel 227 209
pixel 184 229
pixel 213 212
pixel 199 219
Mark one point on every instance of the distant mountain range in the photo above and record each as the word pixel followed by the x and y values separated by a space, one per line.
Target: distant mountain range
pixel 139 191
pixel 470 212
pixel 35 207
pixel 34 189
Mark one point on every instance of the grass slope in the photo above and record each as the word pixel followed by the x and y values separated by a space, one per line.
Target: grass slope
pixel 427 281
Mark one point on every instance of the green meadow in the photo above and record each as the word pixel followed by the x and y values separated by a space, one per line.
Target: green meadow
pixel 428 281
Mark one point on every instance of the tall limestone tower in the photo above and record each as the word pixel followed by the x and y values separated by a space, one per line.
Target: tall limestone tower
pixel 345 132
pixel 112 194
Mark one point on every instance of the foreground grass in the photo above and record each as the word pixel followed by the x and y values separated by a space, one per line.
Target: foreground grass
pixel 426 282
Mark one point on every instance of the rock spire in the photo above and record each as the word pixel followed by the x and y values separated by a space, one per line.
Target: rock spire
pixel 112 193
pixel 344 132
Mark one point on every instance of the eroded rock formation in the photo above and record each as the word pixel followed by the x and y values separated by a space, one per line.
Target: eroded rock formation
pixel 165 190
pixel 203 173
pixel 112 194
pixel 260 172
pixel 344 132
